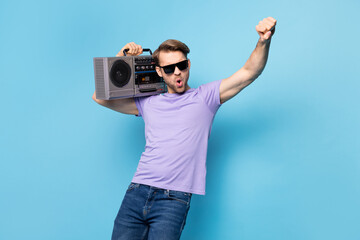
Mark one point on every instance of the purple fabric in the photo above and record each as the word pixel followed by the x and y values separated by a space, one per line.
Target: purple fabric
pixel 177 129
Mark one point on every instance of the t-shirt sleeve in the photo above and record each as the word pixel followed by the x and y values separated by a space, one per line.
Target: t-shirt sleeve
pixel 140 101
pixel 210 93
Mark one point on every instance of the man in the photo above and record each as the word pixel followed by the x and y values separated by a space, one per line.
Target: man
pixel 177 128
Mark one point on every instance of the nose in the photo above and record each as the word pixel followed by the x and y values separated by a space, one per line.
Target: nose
pixel 177 71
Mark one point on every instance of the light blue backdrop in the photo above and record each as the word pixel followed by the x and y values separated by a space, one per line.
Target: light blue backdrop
pixel 284 156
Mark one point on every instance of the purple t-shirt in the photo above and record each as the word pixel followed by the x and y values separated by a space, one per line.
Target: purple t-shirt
pixel 177 129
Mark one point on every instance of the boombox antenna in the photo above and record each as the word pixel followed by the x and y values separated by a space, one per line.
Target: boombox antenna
pixel 144 50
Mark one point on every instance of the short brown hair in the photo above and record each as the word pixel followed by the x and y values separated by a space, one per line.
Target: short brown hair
pixel 170 45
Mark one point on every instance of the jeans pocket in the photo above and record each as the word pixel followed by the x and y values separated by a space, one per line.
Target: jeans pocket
pixel 132 186
pixel 179 196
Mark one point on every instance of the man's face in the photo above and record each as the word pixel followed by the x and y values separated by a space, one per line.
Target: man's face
pixel 176 81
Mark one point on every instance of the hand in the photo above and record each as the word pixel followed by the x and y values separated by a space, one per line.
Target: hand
pixel 266 29
pixel 134 50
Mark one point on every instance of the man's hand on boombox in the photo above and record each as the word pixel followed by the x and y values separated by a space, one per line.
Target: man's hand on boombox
pixel 266 29
pixel 134 50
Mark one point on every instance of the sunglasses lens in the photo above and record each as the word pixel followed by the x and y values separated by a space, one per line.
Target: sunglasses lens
pixel 182 65
pixel 169 69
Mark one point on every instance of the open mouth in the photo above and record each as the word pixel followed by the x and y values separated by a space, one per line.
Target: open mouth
pixel 179 83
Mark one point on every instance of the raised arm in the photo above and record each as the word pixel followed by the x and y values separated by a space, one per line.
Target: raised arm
pixel 123 105
pixel 254 66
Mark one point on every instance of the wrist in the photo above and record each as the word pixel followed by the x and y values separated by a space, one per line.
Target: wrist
pixel 264 42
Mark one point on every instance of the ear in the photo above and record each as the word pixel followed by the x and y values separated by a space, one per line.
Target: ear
pixel 158 70
pixel 189 63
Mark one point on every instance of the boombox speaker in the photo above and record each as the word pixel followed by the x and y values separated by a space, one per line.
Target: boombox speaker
pixel 127 76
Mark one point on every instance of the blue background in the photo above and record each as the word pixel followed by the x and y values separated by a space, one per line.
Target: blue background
pixel 284 156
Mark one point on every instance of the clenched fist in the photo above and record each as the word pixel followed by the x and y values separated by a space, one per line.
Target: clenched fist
pixel 134 50
pixel 266 29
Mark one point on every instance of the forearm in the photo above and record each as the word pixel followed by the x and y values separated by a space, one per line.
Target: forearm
pixel 258 58
pixel 123 105
pixel 254 66
pixel 112 104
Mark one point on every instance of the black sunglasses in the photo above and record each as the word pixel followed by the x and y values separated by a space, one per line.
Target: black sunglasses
pixel 169 69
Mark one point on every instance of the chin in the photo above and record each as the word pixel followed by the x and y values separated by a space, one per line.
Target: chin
pixel 175 89
pixel 181 90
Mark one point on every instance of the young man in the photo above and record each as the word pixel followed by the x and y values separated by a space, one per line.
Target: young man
pixel 177 128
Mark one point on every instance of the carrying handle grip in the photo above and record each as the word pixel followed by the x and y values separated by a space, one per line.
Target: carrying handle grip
pixel 144 50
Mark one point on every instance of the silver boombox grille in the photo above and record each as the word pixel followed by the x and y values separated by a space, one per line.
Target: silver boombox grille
pixel 125 77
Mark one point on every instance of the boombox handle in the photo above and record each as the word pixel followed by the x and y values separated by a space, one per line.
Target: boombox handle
pixel 144 50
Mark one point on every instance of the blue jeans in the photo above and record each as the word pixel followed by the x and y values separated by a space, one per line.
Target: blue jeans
pixel 151 213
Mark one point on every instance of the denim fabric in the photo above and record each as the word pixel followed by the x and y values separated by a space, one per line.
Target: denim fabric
pixel 151 213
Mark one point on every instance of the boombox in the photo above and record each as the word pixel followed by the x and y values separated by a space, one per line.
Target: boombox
pixel 127 76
